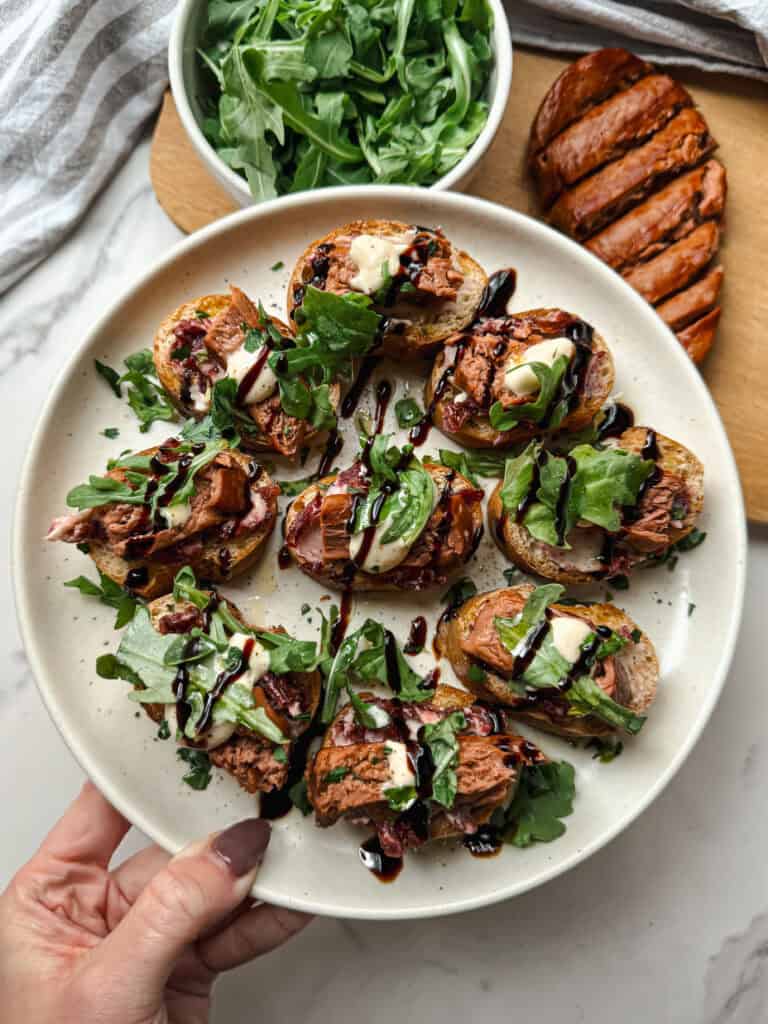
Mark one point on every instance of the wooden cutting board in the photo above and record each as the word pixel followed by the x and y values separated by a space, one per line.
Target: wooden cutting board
pixel 737 112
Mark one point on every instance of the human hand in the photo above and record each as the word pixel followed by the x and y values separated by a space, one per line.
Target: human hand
pixel 142 944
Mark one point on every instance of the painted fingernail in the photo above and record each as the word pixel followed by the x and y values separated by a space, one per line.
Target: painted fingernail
pixel 242 846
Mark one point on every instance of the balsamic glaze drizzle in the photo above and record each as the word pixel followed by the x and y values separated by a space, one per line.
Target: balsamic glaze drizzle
pixel 497 293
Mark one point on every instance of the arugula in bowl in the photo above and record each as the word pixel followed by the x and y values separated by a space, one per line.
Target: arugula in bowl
pixel 311 93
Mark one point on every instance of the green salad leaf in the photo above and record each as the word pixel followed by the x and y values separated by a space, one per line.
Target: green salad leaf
pixel 310 93
pixel 362 658
pixel 145 396
pixel 544 795
pixel 474 464
pixel 110 594
pixel 549 668
pixel 408 413
pixel 549 378
pixel 605 480
pixel 198 774
pixel 442 739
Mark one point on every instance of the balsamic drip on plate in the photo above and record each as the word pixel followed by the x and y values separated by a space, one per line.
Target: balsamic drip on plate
pixel 497 293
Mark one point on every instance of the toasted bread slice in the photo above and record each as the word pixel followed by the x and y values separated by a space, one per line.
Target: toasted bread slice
pixel 304 539
pixel 636 666
pixel 474 429
pixel 171 373
pixel 416 329
pixel 218 560
pixel 584 566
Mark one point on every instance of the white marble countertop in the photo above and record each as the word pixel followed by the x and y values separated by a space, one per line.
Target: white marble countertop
pixel 668 923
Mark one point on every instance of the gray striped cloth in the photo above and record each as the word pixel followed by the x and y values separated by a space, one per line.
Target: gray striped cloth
pixel 80 79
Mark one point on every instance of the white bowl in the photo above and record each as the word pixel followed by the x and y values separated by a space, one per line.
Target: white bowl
pixel 185 84
pixel 317 869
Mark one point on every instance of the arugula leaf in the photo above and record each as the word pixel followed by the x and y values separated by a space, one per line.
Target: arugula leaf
pixel 290 488
pixel 299 797
pixel 408 412
pixel 607 748
pixel 459 592
pixel 586 698
pixel 441 738
pixel 370 716
pixel 400 798
pixel 474 464
pixel 287 654
pixel 185 589
pixel 549 378
pixel 110 594
pixel 544 795
pixel 112 377
pixel 605 480
pixel 199 774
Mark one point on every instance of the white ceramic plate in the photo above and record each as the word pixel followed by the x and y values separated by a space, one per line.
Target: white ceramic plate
pixel 309 868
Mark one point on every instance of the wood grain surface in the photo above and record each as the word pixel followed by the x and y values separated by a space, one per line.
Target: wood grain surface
pixel 737 112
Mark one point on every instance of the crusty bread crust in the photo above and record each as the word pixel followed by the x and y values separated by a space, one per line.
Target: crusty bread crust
pixel 521 548
pixel 171 380
pixel 478 432
pixel 637 665
pixel 365 581
pixel 431 322
pixel 244 551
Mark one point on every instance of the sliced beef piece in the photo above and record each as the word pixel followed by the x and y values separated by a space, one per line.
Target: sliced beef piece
pixel 225 330
pixel 334 516
pixel 607 132
pixel 117 523
pixel 650 531
pixel 605 195
pixel 485 775
pixel 439 278
pixel 483 641
pixel 286 433
pixel 304 533
pixel 475 368
pixel 251 759
pixel 459 539
pixel 580 86
pixel 359 792
pixel 182 621
pixel 697 337
pixel 689 305
pixel 669 214
pixel 677 265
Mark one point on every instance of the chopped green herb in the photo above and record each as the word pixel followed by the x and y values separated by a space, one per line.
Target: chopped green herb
pixel 300 798
pixel 110 594
pixel 400 798
pixel 280 755
pixel 691 609
pixel 475 674
pixel 459 592
pixel 277 266
pixel 164 731
pixel 544 795
pixel 112 377
pixel 335 775
pixel 607 748
pixel 199 774
pixel 620 582
pixel 202 315
pixel 111 433
pixel 636 635
pixel 408 413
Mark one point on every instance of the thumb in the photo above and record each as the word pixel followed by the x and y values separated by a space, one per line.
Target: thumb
pixel 197 889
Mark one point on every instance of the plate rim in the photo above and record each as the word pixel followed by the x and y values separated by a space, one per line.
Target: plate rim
pixel 374 193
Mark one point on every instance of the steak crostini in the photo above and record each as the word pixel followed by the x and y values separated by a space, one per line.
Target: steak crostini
pixel 509 378
pixel 571 669
pixel 422 286
pixel 388 522
pixel 598 511
pixel 214 684
pixel 201 504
